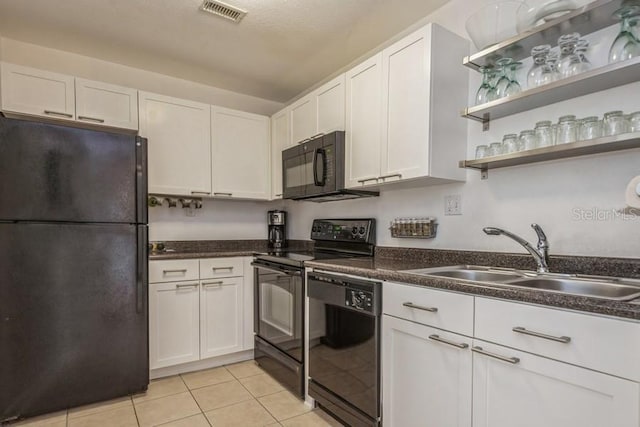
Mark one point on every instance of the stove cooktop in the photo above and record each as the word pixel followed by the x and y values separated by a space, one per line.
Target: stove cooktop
pixel 297 258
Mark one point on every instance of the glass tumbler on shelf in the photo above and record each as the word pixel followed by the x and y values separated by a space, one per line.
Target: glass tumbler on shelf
pixel 634 122
pixel 543 134
pixel 567 130
pixel 549 72
pixel 567 44
pixel 510 143
pixel 528 140
pixel 614 123
pixel 591 128
pixel 627 44
pixel 495 149
pixel 482 151
pixel 539 55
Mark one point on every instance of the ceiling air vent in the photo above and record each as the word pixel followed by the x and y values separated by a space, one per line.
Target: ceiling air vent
pixel 223 10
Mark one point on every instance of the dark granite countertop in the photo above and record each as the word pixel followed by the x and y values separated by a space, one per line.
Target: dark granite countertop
pixel 185 249
pixel 391 269
pixel 153 256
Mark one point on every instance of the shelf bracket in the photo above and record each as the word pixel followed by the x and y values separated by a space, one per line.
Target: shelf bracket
pixel 485 122
pixel 484 173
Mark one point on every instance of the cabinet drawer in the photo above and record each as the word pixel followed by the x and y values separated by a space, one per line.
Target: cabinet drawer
pixel 441 309
pixel 603 344
pixel 221 267
pixel 173 270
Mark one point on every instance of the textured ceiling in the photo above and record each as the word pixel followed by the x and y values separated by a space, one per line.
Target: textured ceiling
pixel 279 49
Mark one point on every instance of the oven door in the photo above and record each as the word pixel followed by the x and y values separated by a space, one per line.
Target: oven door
pixel 279 307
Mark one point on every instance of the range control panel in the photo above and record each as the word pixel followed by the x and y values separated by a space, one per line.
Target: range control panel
pixel 344 230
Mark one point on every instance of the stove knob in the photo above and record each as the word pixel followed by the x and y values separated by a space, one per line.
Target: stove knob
pixel 354 230
pixel 362 230
pixel 314 229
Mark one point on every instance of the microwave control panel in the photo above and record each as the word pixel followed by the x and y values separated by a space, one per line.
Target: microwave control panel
pixel 344 230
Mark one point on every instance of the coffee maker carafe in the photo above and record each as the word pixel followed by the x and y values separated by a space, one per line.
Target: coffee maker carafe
pixel 277 222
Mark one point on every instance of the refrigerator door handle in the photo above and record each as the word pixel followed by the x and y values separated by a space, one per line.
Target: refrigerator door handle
pixel 142 276
pixel 141 180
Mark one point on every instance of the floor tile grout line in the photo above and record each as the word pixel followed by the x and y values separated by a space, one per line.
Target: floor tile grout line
pixel 196 400
pixel 135 412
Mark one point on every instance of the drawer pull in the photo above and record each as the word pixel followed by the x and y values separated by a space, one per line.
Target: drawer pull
pixel 362 181
pixel 91 119
pixel 419 307
pixel 444 341
pixel 562 339
pixel 182 270
pixel 512 360
pixel 204 193
pixel 223 194
pixel 57 113
pixel 393 175
pixel 191 285
pixel 212 284
pixel 222 268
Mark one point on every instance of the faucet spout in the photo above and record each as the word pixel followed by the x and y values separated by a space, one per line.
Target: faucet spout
pixel 540 253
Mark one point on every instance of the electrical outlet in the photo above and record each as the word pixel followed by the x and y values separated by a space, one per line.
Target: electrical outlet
pixel 453 204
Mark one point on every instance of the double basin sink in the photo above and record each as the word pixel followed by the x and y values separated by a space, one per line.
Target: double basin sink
pixel 612 288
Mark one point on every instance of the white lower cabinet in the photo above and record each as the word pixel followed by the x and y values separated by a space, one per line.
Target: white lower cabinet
pixel 220 317
pixel 208 317
pixel 174 323
pixel 426 376
pixel 532 391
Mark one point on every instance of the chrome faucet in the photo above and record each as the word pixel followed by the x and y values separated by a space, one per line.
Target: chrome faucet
pixel 541 254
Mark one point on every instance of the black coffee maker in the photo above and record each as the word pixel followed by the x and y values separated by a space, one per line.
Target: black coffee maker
pixel 277 231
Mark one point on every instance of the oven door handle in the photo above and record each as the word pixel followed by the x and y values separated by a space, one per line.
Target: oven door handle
pixel 277 269
pixel 320 182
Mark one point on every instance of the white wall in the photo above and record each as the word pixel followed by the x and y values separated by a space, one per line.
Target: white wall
pixel 35 56
pixel 562 196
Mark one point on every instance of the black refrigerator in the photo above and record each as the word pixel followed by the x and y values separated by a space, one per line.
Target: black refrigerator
pixel 73 267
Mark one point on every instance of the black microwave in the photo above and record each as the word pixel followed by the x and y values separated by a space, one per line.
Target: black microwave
pixel 314 170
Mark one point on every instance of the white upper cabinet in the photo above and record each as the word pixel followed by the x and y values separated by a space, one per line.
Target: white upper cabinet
pixel 179 134
pixel 240 153
pixel 106 104
pixel 303 119
pixel 280 140
pixel 363 133
pixel 37 93
pixel 408 127
pixel 330 105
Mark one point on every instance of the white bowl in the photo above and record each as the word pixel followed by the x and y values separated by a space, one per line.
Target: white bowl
pixel 537 12
pixel 493 23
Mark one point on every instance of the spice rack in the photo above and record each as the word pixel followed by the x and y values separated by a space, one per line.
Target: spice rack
pixel 416 228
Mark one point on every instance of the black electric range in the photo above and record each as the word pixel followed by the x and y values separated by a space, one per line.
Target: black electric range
pixel 280 295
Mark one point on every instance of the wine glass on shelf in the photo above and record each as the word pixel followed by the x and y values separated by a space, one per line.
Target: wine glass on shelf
pixel 627 44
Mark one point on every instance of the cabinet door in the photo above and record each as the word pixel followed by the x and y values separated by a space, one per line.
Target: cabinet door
pixel 174 327
pixel 37 93
pixel 330 103
pixel 240 154
pixel 533 391
pixel 304 122
pixel 280 140
pixel 425 381
pixel 405 107
pixel 105 104
pixel 179 134
pixel 363 103
pixel 221 308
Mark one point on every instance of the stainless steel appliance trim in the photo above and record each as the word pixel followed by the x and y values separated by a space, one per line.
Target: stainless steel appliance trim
pixel 563 339
pixel 186 285
pixel 512 360
pixel 420 307
pixel 445 341
pixel 91 119
pixel 58 113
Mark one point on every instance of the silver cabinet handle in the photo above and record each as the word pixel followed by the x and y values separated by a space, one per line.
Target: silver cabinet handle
pixel 362 181
pixel 563 339
pixel 206 193
pixel 58 113
pixel 420 307
pixel 512 360
pixel 393 175
pixel 212 284
pixel 317 135
pixel 181 270
pixel 278 195
pixel 223 194
pixel 190 285
pixel 444 341
pixel 222 268
pixel 91 119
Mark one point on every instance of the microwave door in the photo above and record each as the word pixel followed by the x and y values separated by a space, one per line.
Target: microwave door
pixel 316 171
pixel 294 179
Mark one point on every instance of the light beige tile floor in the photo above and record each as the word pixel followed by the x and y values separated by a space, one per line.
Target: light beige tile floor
pixel 240 395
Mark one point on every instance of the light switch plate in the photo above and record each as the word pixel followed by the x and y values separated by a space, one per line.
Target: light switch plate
pixel 453 204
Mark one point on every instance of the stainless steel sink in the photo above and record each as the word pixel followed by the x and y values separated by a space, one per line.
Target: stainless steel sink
pixel 593 288
pixel 469 272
